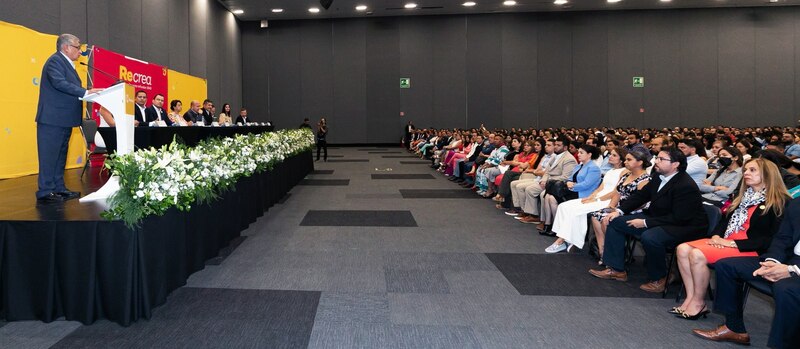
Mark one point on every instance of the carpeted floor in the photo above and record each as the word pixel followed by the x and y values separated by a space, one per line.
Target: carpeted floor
pixel 394 263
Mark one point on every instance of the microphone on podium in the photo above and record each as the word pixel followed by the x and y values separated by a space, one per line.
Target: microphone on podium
pixel 116 80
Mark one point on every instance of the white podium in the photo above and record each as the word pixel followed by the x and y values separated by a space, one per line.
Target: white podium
pixel 118 99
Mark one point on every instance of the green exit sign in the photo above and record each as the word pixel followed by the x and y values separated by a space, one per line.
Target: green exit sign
pixel 638 81
pixel 405 82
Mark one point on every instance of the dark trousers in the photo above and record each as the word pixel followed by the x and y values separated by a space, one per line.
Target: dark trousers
pixel 655 241
pixel 322 144
pixel 52 143
pixel 732 273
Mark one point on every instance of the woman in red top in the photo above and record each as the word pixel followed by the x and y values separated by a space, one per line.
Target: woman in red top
pixel 747 230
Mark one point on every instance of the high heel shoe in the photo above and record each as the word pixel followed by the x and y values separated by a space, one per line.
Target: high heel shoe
pixel 703 313
pixel 675 310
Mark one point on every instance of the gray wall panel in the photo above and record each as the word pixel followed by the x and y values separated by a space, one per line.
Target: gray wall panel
pixel 384 124
pixel 590 70
pixel 520 87
pixel 774 67
pixel 555 71
pixel 125 27
pixel 661 56
pixel 73 18
pixel 484 70
pixel 198 21
pixel 698 68
pixel 155 24
pixel 284 75
pixel 40 15
pixel 349 121
pixel 97 26
pixel 212 52
pixel 736 67
pixel 255 89
pixel 625 60
pixel 178 35
pixel 316 76
pixel 417 50
pixel 448 78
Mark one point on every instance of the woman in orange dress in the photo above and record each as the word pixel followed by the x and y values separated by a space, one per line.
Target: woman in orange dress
pixel 747 230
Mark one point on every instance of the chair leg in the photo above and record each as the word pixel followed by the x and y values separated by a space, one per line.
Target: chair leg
pixel 669 271
pixel 85 165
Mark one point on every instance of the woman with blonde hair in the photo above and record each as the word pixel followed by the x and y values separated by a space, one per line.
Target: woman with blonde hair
pixel 746 230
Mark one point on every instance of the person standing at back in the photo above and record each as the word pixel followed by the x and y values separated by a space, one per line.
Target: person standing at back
pixel 322 132
pixel 59 110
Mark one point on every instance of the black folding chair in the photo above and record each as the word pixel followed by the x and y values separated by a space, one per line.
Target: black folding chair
pixel 88 130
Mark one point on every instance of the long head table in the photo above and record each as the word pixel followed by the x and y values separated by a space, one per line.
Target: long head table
pixel 146 137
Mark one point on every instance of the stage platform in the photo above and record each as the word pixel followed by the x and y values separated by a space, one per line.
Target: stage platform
pixel 65 260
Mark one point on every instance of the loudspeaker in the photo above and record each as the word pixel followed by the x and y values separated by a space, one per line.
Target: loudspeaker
pixel 326 3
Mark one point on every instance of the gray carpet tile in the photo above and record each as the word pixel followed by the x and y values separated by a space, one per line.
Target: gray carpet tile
pixel 416 281
pixel 359 218
pixel 284 198
pixel 321 172
pixel 403 176
pixel 358 335
pixel 348 160
pixel 373 149
pixel 212 318
pixel 567 275
pixel 373 196
pixel 400 157
pixel 439 194
pixel 384 152
pixel 437 261
pixel 35 334
pixel 416 162
pixel 226 251
pixel 338 307
pixel 335 156
pixel 325 182
pixel 487 283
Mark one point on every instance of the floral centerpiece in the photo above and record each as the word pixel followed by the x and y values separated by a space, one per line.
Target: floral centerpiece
pixel 153 180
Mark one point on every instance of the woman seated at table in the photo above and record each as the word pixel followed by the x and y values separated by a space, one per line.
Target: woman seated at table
pixel 718 188
pixel 637 176
pixel 175 107
pixel 584 180
pixel 570 222
pixel 746 230
pixel 225 115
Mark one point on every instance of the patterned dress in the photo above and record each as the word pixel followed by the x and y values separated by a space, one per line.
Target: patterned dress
pixel 625 191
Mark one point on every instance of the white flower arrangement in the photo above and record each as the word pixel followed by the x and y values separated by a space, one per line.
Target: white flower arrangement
pixel 153 180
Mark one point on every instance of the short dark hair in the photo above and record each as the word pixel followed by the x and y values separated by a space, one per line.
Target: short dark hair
pixel 174 103
pixel 140 91
pixel 590 149
pixel 206 101
pixel 677 156
pixel 158 94
pixel 612 140
pixel 641 156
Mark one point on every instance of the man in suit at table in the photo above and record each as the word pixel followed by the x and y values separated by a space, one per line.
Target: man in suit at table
pixel 780 266
pixel 59 110
pixel 242 118
pixel 156 112
pixel 139 108
pixel 208 113
pixel 193 115
pixel 675 215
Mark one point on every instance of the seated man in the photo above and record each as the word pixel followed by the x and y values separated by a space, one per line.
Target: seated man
pixel 193 116
pixel 242 118
pixel 779 266
pixel 675 215
pixel 155 112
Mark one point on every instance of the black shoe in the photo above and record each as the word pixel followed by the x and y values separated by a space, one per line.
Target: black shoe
pixel 69 195
pixel 50 198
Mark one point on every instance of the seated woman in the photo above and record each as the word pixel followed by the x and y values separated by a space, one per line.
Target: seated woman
pixel 508 161
pixel 457 154
pixel 225 115
pixel 747 230
pixel 441 158
pixel 635 178
pixel 570 222
pixel 584 180
pixel 175 107
pixel 527 160
pixel 718 188
pixel 745 148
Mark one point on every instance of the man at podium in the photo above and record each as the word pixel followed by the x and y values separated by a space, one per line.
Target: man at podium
pixel 59 110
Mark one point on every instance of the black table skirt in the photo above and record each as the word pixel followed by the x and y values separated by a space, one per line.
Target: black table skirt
pixel 146 137
pixel 90 270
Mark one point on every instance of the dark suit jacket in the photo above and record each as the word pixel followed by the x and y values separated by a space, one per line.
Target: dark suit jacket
pixel 760 232
pixel 192 116
pixel 207 117
pixel 59 90
pixel 150 115
pixel 677 208
pixel 242 120
pixel 137 115
pixel 784 241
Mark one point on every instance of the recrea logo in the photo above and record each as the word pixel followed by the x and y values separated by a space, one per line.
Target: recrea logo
pixel 134 78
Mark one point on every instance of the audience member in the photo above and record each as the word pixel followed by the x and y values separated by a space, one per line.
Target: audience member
pixel 584 180
pixel 718 188
pixel 560 168
pixel 696 166
pixel 322 134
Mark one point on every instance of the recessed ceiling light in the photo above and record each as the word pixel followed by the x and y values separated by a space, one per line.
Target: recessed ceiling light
pixel 613 1
pixel 666 0
pixel 410 5
pixel 560 2
pixel 238 12
pixel 469 3
pixel 277 10
pixel 361 7
pixel 509 3
pixel 313 10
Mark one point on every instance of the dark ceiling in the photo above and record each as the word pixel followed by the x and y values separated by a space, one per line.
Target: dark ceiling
pixel 298 9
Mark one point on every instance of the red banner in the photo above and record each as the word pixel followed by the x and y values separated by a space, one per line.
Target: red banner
pixel 145 76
